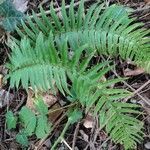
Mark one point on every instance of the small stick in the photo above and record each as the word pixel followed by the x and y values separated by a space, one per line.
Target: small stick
pixel 75 135
pixel 58 9
pixel 132 89
pixel 138 90
pixel 63 140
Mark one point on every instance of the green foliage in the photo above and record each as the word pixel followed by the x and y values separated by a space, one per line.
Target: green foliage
pixel 43 60
pixel 74 115
pixel 22 138
pixel 42 128
pixel 28 120
pixel 109 31
pixel 41 69
pixel 10 16
pixel 10 120
pixel 41 106
pixel 31 124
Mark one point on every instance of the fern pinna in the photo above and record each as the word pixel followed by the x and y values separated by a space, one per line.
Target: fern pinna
pixel 43 60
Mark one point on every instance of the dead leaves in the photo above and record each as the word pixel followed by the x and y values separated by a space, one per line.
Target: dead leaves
pixel 50 100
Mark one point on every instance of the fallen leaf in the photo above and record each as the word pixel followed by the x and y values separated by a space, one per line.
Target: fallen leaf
pixel 48 98
pixel 21 5
pixel 30 100
pixel 129 72
pixel 5 98
pixel 53 115
pixel 89 121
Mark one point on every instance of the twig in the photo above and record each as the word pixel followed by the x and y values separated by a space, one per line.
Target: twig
pixel 75 135
pixel 67 106
pixel 101 146
pixel 61 135
pixel 58 9
pixel 132 89
pixel 138 90
pixel 63 140
pixel 141 9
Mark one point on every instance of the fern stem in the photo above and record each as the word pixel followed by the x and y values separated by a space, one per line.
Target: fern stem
pixel 70 105
pixel 61 135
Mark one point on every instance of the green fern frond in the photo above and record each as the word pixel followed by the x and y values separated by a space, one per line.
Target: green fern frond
pixel 117 117
pixel 48 64
pixel 109 31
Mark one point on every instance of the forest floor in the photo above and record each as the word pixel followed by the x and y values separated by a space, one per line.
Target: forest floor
pixel 84 135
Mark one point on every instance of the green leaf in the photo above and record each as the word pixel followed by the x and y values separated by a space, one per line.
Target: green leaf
pixel 28 120
pixel 10 16
pixel 41 106
pixel 22 139
pixel 11 120
pixel 74 115
pixel 43 127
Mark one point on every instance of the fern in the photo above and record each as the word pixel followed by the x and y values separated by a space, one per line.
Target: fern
pixel 107 31
pixel 42 60
pixel 46 63
pixel 115 116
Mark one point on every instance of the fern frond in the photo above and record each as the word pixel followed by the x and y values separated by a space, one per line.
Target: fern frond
pixel 117 117
pixel 110 31
pixel 48 64
pixel 43 64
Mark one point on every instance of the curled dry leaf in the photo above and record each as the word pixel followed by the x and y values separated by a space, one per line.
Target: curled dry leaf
pixel 21 5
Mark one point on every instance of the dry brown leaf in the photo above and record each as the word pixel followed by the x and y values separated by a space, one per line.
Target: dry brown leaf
pixel 48 99
pixel 21 5
pixel 30 99
pixel 55 112
pixel 129 72
pixel 89 121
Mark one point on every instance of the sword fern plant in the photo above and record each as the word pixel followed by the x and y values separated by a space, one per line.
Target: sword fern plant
pixel 42 60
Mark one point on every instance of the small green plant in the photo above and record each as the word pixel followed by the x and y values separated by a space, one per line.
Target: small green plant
pixel 10 17
pixel 43 60
pixel 29 123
